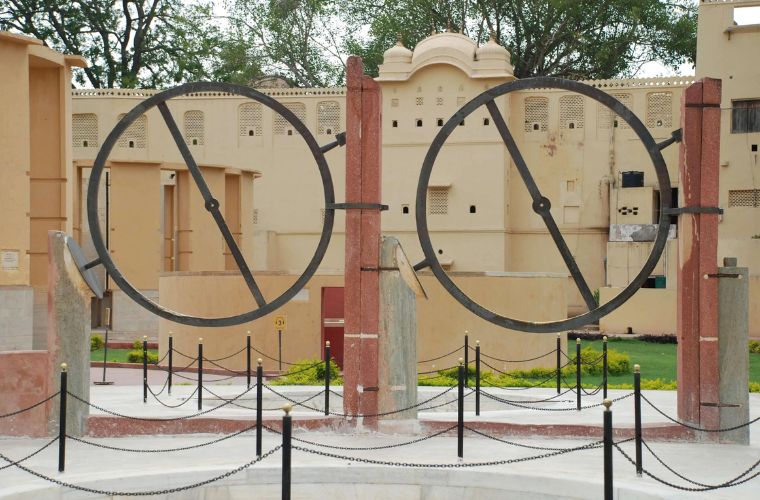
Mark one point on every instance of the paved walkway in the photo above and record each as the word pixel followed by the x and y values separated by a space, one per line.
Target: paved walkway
pixel 576 474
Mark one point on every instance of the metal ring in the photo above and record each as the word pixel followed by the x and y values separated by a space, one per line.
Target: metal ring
pixel 94 185
pixel 484 99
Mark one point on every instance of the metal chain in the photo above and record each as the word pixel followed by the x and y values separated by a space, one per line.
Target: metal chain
pixel 441 357
pixel 150 419
pixel 35 405
pixel 598 444
pixel 336 393
pixel 455 465
pixel 189 398
pixel 403 409
pixel 553 398
pixel 366 448
pixel 496 398
pixel 239 374
pixel 517 360
pixel 288 374
pixel 593 363
pixel 437 370
pixel 147 493
pixel 226 357
pixel 733 482
pixel 167 450
pixel 727 429
pixel 166 383
pixel 299 403
pixel 159 361
pixel 271 358
pixel 593 392
pixel 16 462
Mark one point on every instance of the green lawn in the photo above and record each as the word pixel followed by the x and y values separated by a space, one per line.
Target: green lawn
pixel 115 355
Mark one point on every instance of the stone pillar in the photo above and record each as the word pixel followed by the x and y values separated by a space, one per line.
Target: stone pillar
pixel 68 331
pixel 733 326
pixel 697 319
pixel 398 343
pixel 361 300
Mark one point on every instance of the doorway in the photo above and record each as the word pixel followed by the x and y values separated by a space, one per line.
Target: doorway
pixel 332 321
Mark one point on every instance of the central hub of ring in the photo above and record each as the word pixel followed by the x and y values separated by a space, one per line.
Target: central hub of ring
pixel 542 205
pixel 212 204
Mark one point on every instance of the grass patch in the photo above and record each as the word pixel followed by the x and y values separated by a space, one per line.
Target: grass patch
pixel 118 355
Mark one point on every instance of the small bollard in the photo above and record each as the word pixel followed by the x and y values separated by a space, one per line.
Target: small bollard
pixel 200 374
pixel 460 411
pixel 466 355
pixel 62 420
pixel 248 359
pixel 145 368
pixel 287 429
pixel 477 377
pixel 578 374
pixel 259 384
pixel 604 366
pixel 327 377
pixel 608 489
pixel 559 363
pixel 637 417
pixel 171 362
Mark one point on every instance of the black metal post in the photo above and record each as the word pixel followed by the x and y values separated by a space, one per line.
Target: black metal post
pixel 460 410
pixel 477 377
pixel 287 429
pixel 608 489
pixel 259 387
pixel 62 420
pixel 107 323
pixel 559 363
pixel 578 374
pixel 145 368
pixel 248 360
pixel 466 357
pixel 327 377
pixel 604 365
pixel 200 374
pixel 171 362
pixel 279 350
pixel 637 416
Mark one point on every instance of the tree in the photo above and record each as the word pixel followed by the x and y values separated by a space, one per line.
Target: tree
pixel 569 38
pixel 128 43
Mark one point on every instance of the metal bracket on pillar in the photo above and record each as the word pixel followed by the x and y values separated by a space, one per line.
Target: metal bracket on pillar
pixel 675 136
pixel 693 210
pixel 340 140
pixel 357 206
pixel 723 275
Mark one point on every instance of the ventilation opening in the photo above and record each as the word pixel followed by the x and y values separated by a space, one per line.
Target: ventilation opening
pixel 754 148
pixel 290 132
pixel 440 251
pixel 394 124
pixel 404 209
pixel 250 133
pixel 195 142
pixel 85 144
pixel 419 123
pixel 328 131
pixel 536 126
pixel 615 124
pixel 131 144
pixel 571 125
pixel 473 209
pixel 486 122
pixel 439 122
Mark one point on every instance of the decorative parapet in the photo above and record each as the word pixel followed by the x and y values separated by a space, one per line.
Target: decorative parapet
pixel 145 93
pixel 674 81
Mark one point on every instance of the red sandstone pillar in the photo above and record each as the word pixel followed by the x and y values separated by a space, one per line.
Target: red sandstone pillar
pixel 697 321
pixel 362 288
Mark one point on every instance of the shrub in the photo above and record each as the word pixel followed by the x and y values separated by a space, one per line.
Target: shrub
pixel 617 363
pixel 754 346
pixel 96 343
pixel 137 344
pixel 136 356
pixel 300 374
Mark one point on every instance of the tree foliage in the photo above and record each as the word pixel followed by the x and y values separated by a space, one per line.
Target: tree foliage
pixel 127 43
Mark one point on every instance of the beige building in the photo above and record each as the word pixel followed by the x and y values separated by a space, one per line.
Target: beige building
pixel 589 163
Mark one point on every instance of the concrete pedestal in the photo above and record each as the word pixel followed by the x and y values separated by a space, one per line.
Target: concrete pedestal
pixel 397 360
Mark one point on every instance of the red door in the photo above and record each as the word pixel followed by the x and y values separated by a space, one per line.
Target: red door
pixel 332 321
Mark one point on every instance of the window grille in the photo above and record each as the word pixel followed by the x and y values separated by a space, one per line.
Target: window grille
pixel 194 128
pixel 419 101
pixel 745 116
pixel 328 117
pixel 606 118
pixel 249 119
pixel 438 201
pixel 282 126
pixel 536 114
pixel 571 114
pixel 84 130
pixel 135 136
pixel 255 216
pixel 394 103
pixel 744 198
pixel 659 109
pixel 439 101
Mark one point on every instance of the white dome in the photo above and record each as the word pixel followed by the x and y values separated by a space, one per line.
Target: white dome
pixel 449 44
pixel 397 54
pixel 492 50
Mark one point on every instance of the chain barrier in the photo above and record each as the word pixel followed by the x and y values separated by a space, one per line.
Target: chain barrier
pixel 553 376
pixel 35 405
pixel 740 479
pixel 166 383
pixel 166 450
pixel 166 491
pixel 288 374
pixel 551 399
pixel 187 400
pixel 271 358
pixel 335 393
pixel 441 357
pixel 236 373
pixel 269 409
pixel 597 444
pixel 225 357
pixel 438 370
pixel 586 407
pixel 593 392
pixel 11 463
pixel 151 419
pixel 517 360
pixel 595 362
pixel 160 360
pixel 366 448
pixel 456 465
pixel 701 429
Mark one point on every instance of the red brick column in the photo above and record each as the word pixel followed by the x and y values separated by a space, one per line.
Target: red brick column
pixel 362 289
pixel 697 321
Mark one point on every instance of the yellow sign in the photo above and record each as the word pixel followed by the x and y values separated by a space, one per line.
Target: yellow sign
pixel 279 322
